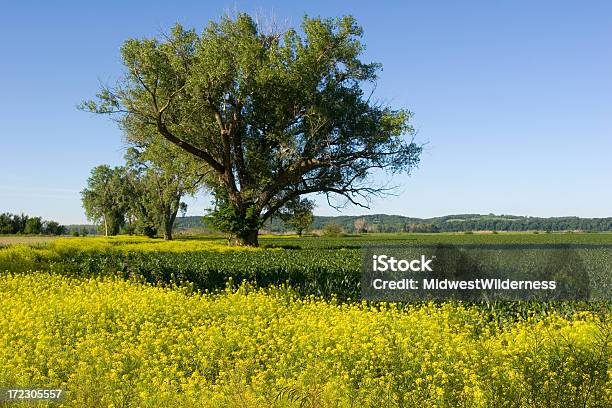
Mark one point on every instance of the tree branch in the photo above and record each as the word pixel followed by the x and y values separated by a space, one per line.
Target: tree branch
pixel 163 130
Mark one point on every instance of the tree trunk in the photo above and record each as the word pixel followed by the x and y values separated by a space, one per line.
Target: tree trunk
pixel 169 218
pixel 248 238
pixel 168 232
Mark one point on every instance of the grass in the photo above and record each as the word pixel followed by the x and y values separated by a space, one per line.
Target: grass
pixel 6 240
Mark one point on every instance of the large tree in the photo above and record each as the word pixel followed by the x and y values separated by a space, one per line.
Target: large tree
pixel 274 115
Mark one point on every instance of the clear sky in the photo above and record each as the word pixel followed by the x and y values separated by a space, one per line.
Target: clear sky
pixel 513 98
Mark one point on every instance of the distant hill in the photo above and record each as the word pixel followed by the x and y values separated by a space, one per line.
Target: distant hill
pixel 448 223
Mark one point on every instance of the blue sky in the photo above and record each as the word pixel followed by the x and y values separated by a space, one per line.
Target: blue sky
pixel 514 99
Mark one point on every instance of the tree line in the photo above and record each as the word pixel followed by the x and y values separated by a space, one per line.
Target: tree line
pixel 24 224
pixel 529 224
pixel 451 223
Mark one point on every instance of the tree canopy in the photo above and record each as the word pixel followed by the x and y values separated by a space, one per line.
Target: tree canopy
pixel 274 115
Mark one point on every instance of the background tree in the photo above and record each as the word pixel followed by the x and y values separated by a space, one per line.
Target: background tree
pixel 361 225
pixel 12 223
pixel 33 225
pixel 106 199
pixel 160 175
pixel 274 115
pixel 53 228
pixel 333 229
pixel 297 214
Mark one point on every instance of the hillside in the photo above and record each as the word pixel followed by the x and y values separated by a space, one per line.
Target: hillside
pixel 448 223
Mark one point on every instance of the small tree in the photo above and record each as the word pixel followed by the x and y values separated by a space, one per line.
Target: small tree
pixel 33 225
pixel 6 223
pixel 332 229
pixel 53 228
pixel 106 199
pixel 298 215
pixel 361 225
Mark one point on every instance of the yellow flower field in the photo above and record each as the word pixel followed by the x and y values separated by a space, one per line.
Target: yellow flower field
pixel 143 244
pixel 22 257
pixel 115 343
